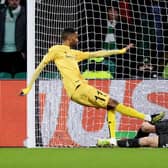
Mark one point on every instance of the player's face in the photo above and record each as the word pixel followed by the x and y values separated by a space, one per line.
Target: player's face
pixel 74 39
pixel 112 14
pixel 13 3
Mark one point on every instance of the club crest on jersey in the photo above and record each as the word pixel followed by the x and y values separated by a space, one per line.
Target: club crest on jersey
pixel 68 56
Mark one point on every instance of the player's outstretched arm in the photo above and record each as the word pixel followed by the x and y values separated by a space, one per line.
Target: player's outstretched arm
pixel 104 53
pixel 47 58
pixel 36 73
pixel 131 45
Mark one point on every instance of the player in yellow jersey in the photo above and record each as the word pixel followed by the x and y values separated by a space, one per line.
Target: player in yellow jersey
pixel 66 59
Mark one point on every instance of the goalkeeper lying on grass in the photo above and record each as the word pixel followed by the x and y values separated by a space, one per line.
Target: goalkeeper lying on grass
pixel 142 138
pixel 66 59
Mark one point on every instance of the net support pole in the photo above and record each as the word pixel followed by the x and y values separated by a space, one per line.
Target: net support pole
pixel 30 141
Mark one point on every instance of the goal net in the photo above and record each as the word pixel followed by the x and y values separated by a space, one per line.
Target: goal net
pixel 137 78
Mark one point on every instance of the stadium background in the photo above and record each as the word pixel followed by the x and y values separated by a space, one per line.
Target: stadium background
pixel 89 29
pixel 13 131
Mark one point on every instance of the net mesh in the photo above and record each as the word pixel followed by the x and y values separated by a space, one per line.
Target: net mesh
pixel 101 24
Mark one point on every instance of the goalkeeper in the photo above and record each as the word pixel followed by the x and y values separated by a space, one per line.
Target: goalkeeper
pixel 160 139
pixel 142 139
pixel 66 59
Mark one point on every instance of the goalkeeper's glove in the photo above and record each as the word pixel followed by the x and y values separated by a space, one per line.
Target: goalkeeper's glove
pixel 25 91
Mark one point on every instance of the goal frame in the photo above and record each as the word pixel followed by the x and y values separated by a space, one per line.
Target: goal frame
pixel 30 141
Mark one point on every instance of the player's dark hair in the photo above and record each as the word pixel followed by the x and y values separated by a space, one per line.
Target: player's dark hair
pixel 66 32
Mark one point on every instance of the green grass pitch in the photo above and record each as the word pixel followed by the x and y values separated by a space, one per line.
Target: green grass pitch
pixel 83 158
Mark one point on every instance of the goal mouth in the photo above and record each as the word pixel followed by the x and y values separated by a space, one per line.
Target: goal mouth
pixel 136 78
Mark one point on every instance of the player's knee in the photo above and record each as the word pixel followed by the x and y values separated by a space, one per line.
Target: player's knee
pixel 154 141
pixel 145 141
pixel 112 104
pixel 149 141
pixel 145 127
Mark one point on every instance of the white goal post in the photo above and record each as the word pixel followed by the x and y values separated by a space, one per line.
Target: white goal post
pixel 137 79
pixel 30 141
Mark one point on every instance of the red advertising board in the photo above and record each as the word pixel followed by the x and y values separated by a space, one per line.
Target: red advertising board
pixel 66 123
pixel 12 113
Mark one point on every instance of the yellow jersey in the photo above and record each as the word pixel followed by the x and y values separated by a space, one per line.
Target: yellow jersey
pixel 66 60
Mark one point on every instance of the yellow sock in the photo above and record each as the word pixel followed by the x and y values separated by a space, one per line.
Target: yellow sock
pixel 129 111
pixel 111 122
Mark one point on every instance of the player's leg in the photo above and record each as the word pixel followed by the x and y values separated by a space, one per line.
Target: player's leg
pixel 161 128
pixel 160 141
pixel 111 141
pixel 150 141
pixel 128 143
pixel 141 133
pixel 111 122
pixel 147 128
pixel 99 99
pixel 114 105
pixel 90 96
pixel 125 110
pixel 102 100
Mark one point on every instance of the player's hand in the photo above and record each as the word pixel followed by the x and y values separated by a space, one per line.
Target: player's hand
pixel 131 45
pixel 24 92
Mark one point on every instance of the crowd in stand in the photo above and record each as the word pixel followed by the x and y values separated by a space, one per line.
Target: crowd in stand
pixel 141 22
pixel 144 23
pixel 13 39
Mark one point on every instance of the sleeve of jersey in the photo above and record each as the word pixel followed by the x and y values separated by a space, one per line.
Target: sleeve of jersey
pixel 82 55
pixel 47 58
pixel 104 53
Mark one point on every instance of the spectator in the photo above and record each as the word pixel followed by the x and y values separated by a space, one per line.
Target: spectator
pixel 125 11
pixel 146 69
pixel 95 22
pixel 143 33
pixel 13 37
pixel 2 3
pixel 107 64
pixel 95 26
pixel 115 34
pixel 150 20
pixel 158 47
pixel 110 38
pixel 122 35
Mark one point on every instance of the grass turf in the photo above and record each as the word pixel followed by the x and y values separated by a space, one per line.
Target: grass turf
pixel 83 158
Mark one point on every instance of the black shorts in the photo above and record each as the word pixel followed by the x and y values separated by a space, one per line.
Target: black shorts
pixel 162 131
pixel 12 62
pixel 163 141
pixel 162 127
